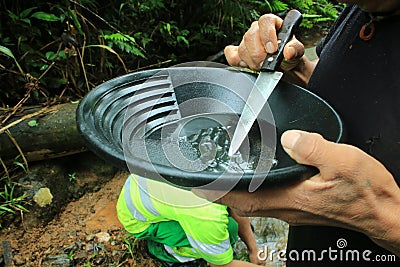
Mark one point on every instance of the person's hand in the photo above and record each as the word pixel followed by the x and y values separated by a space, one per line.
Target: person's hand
pixel 254 257
pixel 353 190
pixel 259 40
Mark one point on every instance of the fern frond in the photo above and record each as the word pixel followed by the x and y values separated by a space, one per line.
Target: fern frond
pixel 124 42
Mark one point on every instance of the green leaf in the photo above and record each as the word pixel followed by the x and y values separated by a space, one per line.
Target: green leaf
pixel 61 55
pixel 44 67
pixel 111 51
pixel 12 15
pixel 8 52
pixel 182 39
pixel 104 47
pixel 27 21
pixel 6 209
pixel 11 194
pixel 32 123
pixel 26 12
pixel 20 165
pixel 121 6
pixel 76 21
pixel 124 42
pixel 20 207
pixel 50 55
pixel 62 81
pixel 168 27
pixel 45 16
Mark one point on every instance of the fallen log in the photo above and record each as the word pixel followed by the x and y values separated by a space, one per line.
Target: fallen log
pixel 46 133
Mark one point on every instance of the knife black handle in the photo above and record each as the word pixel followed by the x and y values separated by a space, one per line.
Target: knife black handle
pixel 290 23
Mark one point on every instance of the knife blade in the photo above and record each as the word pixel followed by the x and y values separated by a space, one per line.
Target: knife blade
pixel 265 83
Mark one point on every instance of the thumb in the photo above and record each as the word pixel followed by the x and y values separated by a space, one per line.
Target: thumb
pixel 293 50
pixel 307 148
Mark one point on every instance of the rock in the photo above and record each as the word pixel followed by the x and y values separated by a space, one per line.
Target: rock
pixel 43 197
pixel 89 237
pixel 266 231
pixel 269 229
pixel 89 247
pixel 103 237
pixel 7 253
pixel 57 261
pixel 19 260
pixel 81 255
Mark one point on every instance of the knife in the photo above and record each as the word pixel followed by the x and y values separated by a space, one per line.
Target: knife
pixel 265 83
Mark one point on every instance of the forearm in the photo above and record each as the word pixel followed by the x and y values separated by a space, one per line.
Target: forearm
pixel 245 232
pixel 385 230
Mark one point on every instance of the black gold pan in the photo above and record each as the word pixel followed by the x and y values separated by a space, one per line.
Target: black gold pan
pixel 141 122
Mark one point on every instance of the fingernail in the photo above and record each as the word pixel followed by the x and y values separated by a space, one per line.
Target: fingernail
pixel 269 47
pixel 289 139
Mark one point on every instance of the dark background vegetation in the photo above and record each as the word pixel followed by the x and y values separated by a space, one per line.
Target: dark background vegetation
pixel 105 39
pixel 56 51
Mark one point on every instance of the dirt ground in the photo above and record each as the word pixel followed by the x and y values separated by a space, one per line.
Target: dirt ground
pixel 86 233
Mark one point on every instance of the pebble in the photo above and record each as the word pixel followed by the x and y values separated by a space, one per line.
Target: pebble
pixel 90 237
pixel 19 260
pixel 57 261
pixel 103 237
pixel 89 247
pixel 81 255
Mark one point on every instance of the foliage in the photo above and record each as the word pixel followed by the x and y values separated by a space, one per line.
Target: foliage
pixel 316 12
pixel 72 177
pixel 10 203
pixel 49 41
pixel 125 43
pixel 8 52
pixel 130 245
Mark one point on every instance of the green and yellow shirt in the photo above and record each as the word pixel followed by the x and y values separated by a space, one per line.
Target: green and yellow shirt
pixel 144 204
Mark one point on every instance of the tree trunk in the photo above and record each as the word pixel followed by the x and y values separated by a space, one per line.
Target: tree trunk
pixel 51 133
